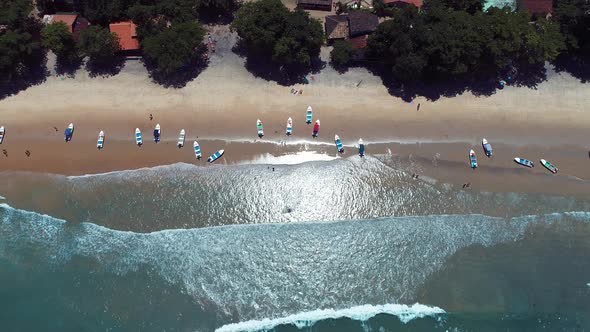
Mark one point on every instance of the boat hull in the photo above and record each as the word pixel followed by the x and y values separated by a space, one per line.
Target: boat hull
pixel 524 162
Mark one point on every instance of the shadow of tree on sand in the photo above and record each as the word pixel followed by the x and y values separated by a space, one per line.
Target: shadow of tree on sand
pixel 182 76
pixel 33 72
pixel 264 68
pixel 477 84
pixel 103 69
pixel 576 66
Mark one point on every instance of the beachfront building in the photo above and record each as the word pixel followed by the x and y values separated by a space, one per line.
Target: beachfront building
pixel 127 33
pixel 402 3
pixel 536 7
pixel 315 4
pixel 74 21
pixel 354 26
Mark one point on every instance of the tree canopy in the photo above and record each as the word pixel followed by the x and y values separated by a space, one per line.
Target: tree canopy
pixel 574 20
pixel 60 41
pixel 439 41
pixel 268 29
pixel 99 44
pixel 174 47
pixel 342 53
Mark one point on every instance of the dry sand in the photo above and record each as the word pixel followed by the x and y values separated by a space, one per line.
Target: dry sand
pixel 223 103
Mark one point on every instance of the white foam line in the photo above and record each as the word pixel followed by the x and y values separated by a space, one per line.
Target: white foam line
pixel 289 159
pixel 404 312
pixel 2 197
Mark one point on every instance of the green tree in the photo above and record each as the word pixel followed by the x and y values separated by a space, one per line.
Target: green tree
pixel 470 6
pixel 574 21
pixel 342 53
pixel 268 29
pixel 99 44
pixel 60 41
pixel 174 47
pixel 13 13
pixel 15 49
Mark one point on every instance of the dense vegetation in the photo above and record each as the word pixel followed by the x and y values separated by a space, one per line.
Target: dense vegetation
pixel 342 53
pixel 98 44
pixel 574 20
pixel 444 40
pixel 18 49
pixel 270 31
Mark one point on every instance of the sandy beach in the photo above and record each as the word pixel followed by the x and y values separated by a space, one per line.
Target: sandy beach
pixel 220 108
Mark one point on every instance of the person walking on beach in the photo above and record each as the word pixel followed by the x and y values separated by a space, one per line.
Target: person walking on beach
pixel 151 117
pixel 418 107
pixel 28 153
pixel 5 152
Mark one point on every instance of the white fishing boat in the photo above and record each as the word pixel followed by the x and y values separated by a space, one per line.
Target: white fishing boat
pixel 100 141
pixel 138 139
pixel 552 168
pixel 197 149
pixel 259 128
pixel 216 156
pixel 524 162
pixel 289 127
pixel 69 132
pixel 181 137
pixel 487 147
pixel 2 134
pixel 308 115
pixel 157 133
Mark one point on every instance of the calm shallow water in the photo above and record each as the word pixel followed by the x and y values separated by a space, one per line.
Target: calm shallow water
pixel 134 250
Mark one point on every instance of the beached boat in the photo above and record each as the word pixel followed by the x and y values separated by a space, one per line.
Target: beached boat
pixel 215 156
pixel 289 127
pixel 157 133
pixel 361 147
pixel 524 162
pixel 308 115
pixel 552 168
pixel 472 159
pixel 339 145
pixel 2 134
pixel 487 147
pixel 259 128
pixel 69 132
pixel 197 150
pixel 100 141
pixel 316 129
pixel 181 137
pixel 138 139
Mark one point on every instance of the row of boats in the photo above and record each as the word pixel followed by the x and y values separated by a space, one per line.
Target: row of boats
pixel 487 148
pixel 69 132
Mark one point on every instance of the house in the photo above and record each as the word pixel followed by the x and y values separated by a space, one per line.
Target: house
pixel 336 27
pixel 536 7
pixel 315 4
pixel 362 22
pixel 73 21
pixel 126 31
pixel 354 26
pixel 402 3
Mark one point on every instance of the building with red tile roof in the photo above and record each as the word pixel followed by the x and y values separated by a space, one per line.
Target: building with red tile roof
pixel 74 22
pixel 401 3
pixel 126 31
pixel 536 7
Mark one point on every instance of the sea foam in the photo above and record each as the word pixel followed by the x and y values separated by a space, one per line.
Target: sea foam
pixel 301 320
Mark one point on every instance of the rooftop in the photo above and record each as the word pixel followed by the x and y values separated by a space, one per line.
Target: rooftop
pixel 126 31
pixel 536 6
pixel 362 22
pixel 417 3
pixel 68 19
pixel 336 26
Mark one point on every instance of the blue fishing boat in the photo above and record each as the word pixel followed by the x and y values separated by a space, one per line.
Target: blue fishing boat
pixel 259 128
pixel 215 156
pixel 197 149
pixel 361 148
pixel 289 127
pixel 138 139
pixel 472 159
pixel 524 162
pixel 487 147
pixel 157 133
pixel 308 115
pixel 316 129
pixel 69 132
pixel 339 145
